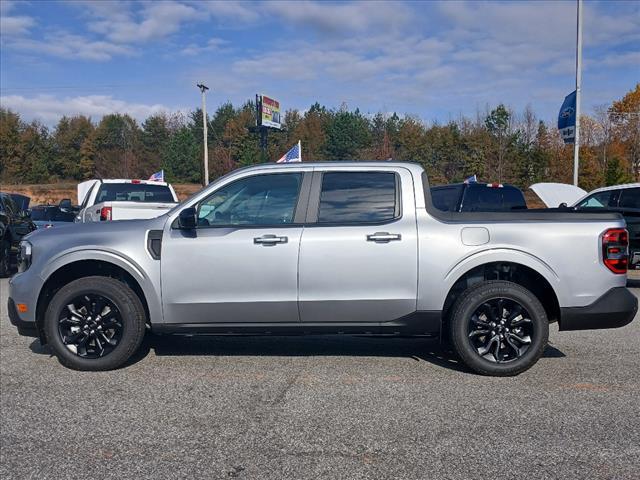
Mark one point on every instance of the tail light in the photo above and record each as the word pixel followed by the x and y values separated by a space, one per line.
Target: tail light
pixel 615 250
pixel 105 213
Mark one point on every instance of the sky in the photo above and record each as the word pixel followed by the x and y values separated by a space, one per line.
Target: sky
pixel 432 60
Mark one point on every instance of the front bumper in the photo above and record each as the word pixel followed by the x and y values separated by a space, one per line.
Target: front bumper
pixel 26 329
pixel 614 309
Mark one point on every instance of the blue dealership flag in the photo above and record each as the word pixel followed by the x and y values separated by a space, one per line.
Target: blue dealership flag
pixel 293 155
pixel 567 118
pixel 157 177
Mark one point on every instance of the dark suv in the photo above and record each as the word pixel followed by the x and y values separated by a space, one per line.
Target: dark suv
pixel 478 197
pixel 14 224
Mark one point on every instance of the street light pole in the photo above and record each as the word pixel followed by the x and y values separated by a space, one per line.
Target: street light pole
pixel 203 88
pixel 576 143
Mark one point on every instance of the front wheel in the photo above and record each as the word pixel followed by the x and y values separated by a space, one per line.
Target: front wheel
pixel 94 323
pixel 499 328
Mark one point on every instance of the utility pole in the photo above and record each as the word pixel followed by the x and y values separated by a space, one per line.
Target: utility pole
pixel 576 143
pixel 203 88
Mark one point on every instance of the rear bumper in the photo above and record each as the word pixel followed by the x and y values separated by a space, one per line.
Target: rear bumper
pixel 26 329
pixel 614 309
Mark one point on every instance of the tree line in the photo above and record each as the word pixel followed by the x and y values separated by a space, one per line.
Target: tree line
pixel 498 145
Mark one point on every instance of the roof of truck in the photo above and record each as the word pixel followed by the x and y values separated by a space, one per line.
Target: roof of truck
pixel 338 163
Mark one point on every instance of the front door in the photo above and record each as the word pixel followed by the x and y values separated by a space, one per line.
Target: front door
pixel 241 263
pixel 359 249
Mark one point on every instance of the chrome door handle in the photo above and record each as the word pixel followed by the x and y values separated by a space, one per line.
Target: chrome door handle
pixel 383 237
pixel 269 240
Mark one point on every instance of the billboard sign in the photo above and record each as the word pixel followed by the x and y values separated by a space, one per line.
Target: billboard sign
pixel 268 112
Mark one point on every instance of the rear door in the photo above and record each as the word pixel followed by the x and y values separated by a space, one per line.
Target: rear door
pixel 359 250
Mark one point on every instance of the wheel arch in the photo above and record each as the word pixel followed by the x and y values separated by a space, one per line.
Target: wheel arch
pixel 56 278
pixel 523 274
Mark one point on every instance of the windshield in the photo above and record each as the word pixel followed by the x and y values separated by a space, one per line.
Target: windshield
pixel 134 192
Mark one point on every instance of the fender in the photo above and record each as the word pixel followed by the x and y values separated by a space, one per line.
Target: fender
pixel 67 257
pixel 500 254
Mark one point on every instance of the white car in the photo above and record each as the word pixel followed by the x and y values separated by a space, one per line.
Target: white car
pixel 121 199
pixel 615 196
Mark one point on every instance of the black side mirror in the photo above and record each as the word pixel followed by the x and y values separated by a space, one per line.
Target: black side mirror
pixel 188 219
pixel 65 204
pixel 563 205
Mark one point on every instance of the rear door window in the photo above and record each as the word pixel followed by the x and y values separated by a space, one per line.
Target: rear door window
pixel 629 198
pixel 604 199
pixel 359 198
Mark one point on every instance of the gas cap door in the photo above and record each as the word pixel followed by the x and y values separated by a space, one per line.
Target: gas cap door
pixel 474 236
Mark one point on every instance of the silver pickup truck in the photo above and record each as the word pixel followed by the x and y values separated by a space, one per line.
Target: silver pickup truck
pixel 324 248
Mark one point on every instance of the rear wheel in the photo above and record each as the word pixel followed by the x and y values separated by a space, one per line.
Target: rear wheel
pixel 94 323
pixel 499 328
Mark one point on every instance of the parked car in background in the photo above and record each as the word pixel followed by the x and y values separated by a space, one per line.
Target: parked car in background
pixel 119 199
pixel 47 216
pixel 624 199
pixel 324 248
pixel 22 201
pixel 478 197
pixel 14 224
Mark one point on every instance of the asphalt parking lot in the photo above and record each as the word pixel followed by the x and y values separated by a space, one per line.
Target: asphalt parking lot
pixel 321 407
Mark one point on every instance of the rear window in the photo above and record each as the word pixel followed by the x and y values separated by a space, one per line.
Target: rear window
pixel 446 198
pixel 358 197
pixel 133 192
pixel 481 198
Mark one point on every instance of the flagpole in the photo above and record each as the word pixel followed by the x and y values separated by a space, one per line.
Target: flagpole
pixel 576 143
pixel 300 150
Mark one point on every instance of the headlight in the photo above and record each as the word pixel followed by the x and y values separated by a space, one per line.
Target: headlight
pixel 24 256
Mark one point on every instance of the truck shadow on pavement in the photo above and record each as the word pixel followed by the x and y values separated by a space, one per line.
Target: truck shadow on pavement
pixel 419 349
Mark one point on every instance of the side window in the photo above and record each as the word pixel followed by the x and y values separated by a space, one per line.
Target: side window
pixel 258 200
pixel 358 197
pixel 598 200
pixel 630 198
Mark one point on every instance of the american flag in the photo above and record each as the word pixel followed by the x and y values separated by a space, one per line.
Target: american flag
pixel 157 177
pixel 293 155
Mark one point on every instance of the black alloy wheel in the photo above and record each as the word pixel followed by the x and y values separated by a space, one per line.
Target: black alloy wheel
pixel 498 328
pixel 95 323
pixel 501 330
pixel 90 326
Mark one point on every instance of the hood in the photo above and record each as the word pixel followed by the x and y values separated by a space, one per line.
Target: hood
pixel 83 188
pixel 553 194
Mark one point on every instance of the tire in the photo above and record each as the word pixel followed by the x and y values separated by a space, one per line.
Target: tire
pixel 123 324
pixel 5 261
pixel 477 311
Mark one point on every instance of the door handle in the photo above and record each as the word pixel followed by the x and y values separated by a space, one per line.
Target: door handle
pixel 383 237
pixel 268 240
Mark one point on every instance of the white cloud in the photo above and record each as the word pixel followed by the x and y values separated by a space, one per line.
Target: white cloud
pixel 230 10
pixel 156 20
pixel 49 109
pixel 13 25
pixel 341 18
pixel 66 45
pixel 213 45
